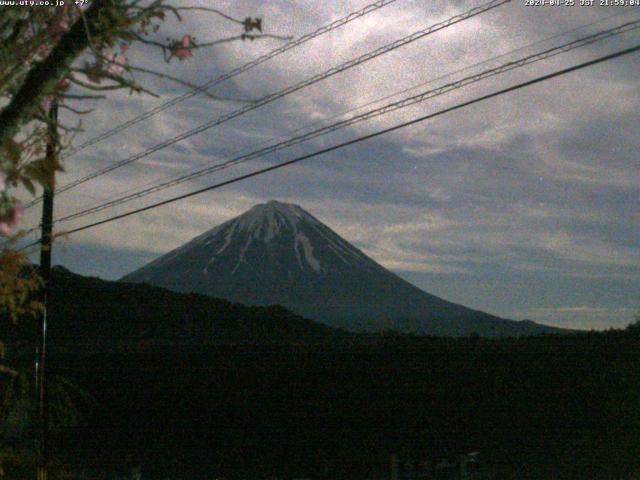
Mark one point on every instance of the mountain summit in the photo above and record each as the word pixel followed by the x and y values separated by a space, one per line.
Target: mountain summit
pixel 277 253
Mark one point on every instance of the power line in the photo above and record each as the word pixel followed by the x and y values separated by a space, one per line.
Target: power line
pixel 381 99
pixel 132 193
pixel 293 88
pixel 243 68
pixel 222 78
pixel 403 103
pixel 255 173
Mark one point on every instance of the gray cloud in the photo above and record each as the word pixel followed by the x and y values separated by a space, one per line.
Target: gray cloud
pixel 522 206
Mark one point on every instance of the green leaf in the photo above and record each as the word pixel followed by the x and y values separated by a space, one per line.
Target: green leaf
pixel 28 184
pixel 12 151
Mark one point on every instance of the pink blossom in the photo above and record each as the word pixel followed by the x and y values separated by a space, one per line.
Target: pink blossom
pixel 63 85
pixel 26 56
pixel 43 50
pixel 94 75
pixel 115 63
pixel 46 102
pixel 11 218
pixel 183 49
pixel 60 26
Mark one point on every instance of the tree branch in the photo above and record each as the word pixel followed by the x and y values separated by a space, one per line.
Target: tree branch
pixel 149 42
pixel 71 96
pixel 205 9
pixel 42 78
pixel 8 371
pixel 188 84
pixel 244 36
pixel 120 83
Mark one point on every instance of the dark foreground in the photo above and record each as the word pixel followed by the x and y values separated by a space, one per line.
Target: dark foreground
pixel 547 407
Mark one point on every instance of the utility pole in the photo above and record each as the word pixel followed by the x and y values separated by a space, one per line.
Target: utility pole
pixel 45 272
pixel 395 467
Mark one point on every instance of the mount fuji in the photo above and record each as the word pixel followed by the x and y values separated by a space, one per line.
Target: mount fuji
pixel 277 253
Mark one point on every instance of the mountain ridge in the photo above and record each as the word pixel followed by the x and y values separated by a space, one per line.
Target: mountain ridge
pixel 89 314
pixel 278 253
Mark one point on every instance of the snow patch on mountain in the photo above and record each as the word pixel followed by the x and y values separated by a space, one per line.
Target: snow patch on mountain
pixel 266 222
pixel 277 253
pixel 227 240
pixel 265 230
pixel 301 239
pixel 243 252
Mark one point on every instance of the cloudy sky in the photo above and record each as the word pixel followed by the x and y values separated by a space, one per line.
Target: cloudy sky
pixel 525 206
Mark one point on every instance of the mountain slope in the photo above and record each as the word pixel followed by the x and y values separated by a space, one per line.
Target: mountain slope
pixel 94 314
pixel 277 253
